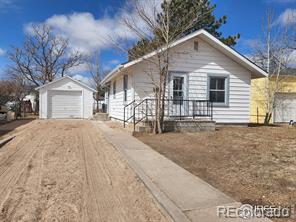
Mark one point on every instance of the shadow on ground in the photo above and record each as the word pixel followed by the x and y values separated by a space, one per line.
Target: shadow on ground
pixel 10 126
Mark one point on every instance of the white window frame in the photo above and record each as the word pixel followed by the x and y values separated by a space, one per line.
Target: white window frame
pixel 226 89
pixel 125 87
pixel 114 89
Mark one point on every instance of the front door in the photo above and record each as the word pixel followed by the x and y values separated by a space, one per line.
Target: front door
pixel 178 94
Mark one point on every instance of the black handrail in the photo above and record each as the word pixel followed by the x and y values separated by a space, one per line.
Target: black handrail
pixel 145 116
pixel 124 108
pixel 174 108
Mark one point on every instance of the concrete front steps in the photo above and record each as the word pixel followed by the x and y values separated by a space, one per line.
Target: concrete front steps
pixel 179 125
pixel 101 117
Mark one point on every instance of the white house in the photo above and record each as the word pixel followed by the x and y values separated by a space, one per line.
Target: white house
pixel 202 69
pixel 65 98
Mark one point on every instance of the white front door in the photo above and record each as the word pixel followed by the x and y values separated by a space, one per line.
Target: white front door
pixel 177 104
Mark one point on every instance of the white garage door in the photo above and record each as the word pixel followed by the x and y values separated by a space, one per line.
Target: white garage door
pixel 64 104
pixel 285 109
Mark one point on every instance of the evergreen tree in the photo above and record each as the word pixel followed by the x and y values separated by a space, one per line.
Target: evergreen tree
pixel 182 13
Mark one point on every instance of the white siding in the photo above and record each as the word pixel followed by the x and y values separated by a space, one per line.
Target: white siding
pixel 66 84
pixel 88 101
pixel 116 102
pixel 198 65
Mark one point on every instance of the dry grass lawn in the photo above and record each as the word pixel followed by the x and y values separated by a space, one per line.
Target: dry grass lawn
pixel 255 165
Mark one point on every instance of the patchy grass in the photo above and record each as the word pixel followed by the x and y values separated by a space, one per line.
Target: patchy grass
pixel 255 165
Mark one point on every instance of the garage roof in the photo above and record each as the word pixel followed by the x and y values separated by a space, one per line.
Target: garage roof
pixel 66 77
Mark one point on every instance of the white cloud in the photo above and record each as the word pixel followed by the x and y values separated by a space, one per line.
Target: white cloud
pixel 2 52
pixel 81 69
pixel 83 79
pixel 249 42
pixel 114 62
pixel 288 17
pixel 282 1
pixel 5 3
pixel 88 34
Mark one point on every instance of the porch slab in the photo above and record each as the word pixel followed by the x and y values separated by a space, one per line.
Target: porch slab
pixel 180 125
pixel 184 196
pixel 189 125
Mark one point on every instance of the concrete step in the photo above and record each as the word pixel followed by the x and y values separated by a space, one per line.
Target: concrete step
pixel 101 117
pixel 184 125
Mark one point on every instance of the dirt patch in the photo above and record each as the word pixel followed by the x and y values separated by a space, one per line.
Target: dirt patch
pixel 67 171
pixel 253 165
pixel 129 127
pixel 6 128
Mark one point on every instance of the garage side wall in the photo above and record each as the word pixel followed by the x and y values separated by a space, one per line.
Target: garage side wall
pixel 43 104
pixel 88 103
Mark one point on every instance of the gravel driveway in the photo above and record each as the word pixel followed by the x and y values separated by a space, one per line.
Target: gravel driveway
pixel 64 170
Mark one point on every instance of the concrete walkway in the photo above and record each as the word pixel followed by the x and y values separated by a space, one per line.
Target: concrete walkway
pixel 184 196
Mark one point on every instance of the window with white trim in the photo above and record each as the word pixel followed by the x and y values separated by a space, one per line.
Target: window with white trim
pixel 125 86
pixel 114 89
pixel 218 90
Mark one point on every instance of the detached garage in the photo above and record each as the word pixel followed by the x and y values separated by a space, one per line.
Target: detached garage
pixel 65 98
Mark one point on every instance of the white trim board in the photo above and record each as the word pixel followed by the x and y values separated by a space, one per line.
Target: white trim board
pixel 206 36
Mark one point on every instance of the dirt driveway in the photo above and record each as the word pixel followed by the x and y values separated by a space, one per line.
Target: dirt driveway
pixel 66 171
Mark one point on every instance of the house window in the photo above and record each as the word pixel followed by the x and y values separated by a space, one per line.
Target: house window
pixel 218 90
pixel 114 88
pixel 125 86
pixel 178 85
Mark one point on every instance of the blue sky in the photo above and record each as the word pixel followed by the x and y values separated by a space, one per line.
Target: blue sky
pixel 86 22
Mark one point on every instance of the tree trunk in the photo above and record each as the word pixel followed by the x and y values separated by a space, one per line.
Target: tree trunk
pixel 267 118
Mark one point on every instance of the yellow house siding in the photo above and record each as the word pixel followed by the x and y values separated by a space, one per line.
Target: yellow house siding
pixel 258 95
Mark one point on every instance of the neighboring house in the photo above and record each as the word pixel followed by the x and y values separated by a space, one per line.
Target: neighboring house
pixel 285 98
pixel 65 98
pixel 202 68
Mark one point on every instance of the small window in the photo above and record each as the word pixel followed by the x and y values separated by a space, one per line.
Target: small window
pixel 218 90
pixel 114 89
pixel 125 86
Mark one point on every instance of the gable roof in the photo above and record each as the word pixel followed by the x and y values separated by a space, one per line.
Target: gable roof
pixel 207 37
pixel 66 77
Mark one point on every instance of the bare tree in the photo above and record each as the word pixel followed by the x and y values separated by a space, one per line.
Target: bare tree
pixel 43 56
pixel 5 92
pixel 14 89
pixel 154 26
pixel 20 88
pixel 273 54
pixel 97 74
